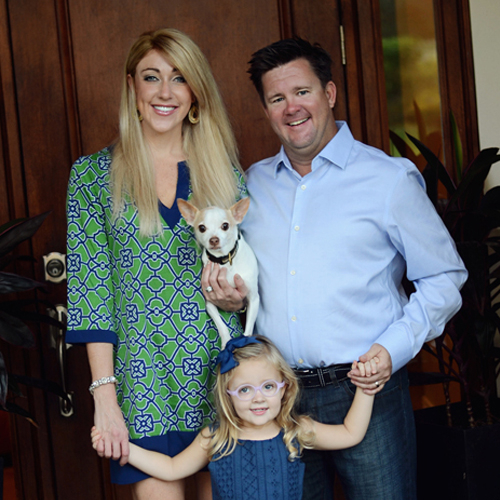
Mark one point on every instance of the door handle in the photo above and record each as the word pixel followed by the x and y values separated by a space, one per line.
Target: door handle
pixel 58 342
pixel 54 265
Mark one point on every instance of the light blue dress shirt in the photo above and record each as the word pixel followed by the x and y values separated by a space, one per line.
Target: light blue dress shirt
pixel 332 248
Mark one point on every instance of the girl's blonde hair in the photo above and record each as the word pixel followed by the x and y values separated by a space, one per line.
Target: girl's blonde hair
pixel 209 145
pixel 224 436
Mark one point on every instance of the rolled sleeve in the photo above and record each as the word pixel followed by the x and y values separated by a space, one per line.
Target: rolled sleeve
pixel 90 286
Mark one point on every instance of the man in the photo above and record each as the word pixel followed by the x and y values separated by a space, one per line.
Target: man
pixel 334 225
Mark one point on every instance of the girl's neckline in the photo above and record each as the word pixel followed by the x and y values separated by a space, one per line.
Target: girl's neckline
pixel 262 440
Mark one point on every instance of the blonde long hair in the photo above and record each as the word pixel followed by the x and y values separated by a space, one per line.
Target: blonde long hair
pixel 209 145
pixel 224 436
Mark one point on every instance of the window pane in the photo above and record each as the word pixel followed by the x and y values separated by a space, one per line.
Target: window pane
pixel 411 71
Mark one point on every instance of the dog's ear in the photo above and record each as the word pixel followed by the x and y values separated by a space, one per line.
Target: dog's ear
pixel 240 209
pixel 187 210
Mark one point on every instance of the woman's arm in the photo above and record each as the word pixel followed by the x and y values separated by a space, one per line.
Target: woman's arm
pixel 163 467
pixel 108 417
pixel 351 432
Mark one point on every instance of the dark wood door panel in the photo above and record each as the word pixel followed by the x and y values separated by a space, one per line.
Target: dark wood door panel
pixel 227 32
pixel 319 22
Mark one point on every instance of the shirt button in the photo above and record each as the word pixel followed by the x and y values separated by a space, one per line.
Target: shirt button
pixel 296 228
pixel 303 187
pixel 292 273
pixel 294 318
pixel 300 361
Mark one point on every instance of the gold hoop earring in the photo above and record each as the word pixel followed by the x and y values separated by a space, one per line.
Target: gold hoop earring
pixel 194 114
pixel 139 116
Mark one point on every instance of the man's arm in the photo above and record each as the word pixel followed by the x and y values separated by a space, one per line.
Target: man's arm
pixel 434 267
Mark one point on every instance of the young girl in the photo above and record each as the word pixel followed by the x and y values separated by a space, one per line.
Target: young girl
pixel 253 450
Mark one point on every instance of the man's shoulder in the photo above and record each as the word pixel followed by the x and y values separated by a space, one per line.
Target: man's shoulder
pixel 265 165
pixel 373 156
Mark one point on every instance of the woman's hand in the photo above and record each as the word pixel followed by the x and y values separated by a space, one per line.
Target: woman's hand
pixel 108 419
pixel 222 294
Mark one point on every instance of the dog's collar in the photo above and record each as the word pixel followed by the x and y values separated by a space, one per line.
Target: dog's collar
pixel 225 258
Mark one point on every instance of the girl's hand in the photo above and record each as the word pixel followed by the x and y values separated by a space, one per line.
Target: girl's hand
pixel 368 368
pixel 374 382
pixel 95 437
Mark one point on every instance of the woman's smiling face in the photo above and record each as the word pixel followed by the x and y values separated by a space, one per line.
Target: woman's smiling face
pixel 162 95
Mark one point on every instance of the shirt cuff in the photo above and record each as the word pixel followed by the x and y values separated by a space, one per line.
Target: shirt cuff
pixel 393 339
pixel 87 336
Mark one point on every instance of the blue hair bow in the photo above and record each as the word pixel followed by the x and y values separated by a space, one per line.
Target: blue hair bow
pixel 226 358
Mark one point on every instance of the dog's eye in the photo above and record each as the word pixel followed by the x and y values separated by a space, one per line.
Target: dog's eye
pixel 202 228
pixel 225 226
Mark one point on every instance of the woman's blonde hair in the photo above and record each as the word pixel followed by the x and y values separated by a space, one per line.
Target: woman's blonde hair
pixel 209 145
pixel 224 436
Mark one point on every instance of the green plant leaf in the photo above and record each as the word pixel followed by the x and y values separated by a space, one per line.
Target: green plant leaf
pixel 422 132
pixel 435 163
pixel 4 382
pixel 457 146
pixel 15 308
pixel 403 149
pixel 12 258
pixel 14 389
pixel 430 176
pixel 470 191
pixel 18 410
pixel 11 236
pixel 10 283
pixel 15 331
pixel 46 385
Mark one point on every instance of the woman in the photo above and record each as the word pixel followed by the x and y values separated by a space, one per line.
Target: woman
pixel 134 293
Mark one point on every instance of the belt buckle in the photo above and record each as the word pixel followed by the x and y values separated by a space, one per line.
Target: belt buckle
pixel 304 371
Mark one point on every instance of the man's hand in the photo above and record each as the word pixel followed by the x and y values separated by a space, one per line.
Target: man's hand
pixel 373 383
pixel 222 294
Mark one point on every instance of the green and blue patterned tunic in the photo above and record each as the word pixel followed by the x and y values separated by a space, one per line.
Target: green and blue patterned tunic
pixel 142 294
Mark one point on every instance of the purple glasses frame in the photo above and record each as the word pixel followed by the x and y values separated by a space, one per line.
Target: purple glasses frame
pixel 279 385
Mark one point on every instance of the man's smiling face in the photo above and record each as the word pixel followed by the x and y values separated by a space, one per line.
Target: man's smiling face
pixel 299 109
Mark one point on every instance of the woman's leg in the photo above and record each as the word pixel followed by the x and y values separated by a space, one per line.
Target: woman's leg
pixel 155 489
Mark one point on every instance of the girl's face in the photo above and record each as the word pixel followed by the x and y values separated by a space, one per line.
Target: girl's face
pixel 162 95
pixel 259 412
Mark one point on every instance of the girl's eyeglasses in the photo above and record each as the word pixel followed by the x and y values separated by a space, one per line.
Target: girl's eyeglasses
pixel 269 388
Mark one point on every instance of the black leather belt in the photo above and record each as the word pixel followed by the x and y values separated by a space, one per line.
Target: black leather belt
pixel 321 377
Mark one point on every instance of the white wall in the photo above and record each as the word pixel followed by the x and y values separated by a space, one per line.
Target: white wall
pixel 485 20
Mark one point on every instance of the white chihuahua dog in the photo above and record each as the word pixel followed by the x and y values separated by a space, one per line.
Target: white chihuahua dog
pixel 216 230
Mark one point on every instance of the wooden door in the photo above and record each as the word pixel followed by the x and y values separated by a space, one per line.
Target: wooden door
pixel 60 76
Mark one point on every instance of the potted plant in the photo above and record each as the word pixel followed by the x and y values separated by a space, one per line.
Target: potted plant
pixel 15 311
pixel 457 443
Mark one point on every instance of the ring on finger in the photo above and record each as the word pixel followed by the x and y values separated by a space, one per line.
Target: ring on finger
pixel 377 383
pixel 209 289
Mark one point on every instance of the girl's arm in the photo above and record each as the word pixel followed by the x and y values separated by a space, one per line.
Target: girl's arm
pixel 353 430
pixel 161 466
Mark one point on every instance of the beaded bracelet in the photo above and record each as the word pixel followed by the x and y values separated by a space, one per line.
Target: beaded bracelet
pixel 102 381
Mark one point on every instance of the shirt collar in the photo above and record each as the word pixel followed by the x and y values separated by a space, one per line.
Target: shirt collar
pixel 336 152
